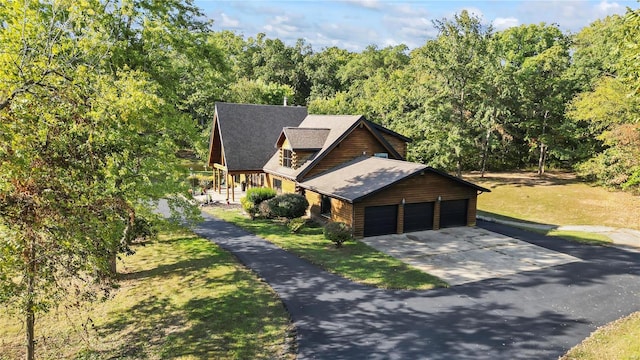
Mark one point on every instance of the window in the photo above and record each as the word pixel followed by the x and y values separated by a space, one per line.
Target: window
pixel 286 158
pixel 325 206
pixel 381 155
pixel 277 184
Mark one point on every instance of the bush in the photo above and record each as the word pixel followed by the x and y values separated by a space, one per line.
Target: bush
pixel 337 232
pixel 258 195
pixel 249 207
pixel 254 198
pixel 289 206
pixel 297 224
pixel 264 210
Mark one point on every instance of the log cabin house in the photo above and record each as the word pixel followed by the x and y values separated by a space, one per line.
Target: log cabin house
pixel 354 171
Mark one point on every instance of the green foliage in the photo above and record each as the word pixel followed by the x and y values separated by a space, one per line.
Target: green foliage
pixel 289 206
pixel 90 123
pixel 297 224
pixel 337 232
pixel 264 209
pixel 259 194
pixel 254 200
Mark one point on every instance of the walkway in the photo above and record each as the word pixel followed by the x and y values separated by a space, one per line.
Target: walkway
pixel 624 238
pixel 532 315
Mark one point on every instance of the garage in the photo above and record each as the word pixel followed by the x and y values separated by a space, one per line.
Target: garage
pixel 453 213
pixel 380 220
pixel 418 216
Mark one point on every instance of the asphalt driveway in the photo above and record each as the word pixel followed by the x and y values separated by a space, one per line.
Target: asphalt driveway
pixel 529 315
pixel 467 254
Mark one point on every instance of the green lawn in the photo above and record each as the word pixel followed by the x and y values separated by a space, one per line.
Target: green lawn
pixel 355 260
pixel 615 341
pixel 180 297
pixel 557 199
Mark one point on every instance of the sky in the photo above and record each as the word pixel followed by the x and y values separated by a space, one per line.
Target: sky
pixel 355 24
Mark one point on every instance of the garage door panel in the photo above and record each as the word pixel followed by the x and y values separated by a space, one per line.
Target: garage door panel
pixel 418 216
pixel 453 213
pixel 380 220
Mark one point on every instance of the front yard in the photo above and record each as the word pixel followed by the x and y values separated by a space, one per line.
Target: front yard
pixel 180 297
pixel 355 260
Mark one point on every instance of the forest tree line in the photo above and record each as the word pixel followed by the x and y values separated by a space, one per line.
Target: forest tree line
pixel 472 98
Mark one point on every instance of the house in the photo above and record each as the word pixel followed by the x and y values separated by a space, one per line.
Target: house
pixel 354 171
pixel 242 139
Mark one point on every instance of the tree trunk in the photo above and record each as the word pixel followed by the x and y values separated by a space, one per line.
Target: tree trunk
pixel 459 166
pixel 29 305
pixel 542 159
pixel 485 153
pixel 543 147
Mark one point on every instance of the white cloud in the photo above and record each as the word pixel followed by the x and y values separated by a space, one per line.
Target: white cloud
pixel 369 4
pixel 504 23
pixel 228 22
pixel 608 8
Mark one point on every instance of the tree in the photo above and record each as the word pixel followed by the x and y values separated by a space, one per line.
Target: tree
pixel 610 108
pixel 538 56
pixel 88 146
pixel 455 61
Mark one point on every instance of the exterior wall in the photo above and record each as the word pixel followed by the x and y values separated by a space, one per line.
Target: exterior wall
pixel 299 157
pixel 341 211
pixel 419 188
pixel 288 186
pixel 360 140
pixel 398 144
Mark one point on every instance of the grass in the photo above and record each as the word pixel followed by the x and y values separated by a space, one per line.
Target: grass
pixel 180 297
pixel 615 341
pixel 557 199
pixel 354 260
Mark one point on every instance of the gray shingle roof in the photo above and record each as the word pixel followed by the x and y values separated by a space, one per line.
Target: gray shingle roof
pixel 365 176
pixel 249 131
pixel 361 177
pixel 306 138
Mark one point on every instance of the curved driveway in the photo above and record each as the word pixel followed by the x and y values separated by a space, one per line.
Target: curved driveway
pixel 532 315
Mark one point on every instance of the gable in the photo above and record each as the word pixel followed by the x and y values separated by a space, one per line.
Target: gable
pixel 359 142
pixel 246 133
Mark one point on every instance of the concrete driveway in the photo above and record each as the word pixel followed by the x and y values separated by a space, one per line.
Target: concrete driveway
pixel 467 254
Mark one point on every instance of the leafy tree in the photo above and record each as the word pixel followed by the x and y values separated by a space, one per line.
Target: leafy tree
pixel 88 141
pixel 455 61
pixel 538 56
pixel 611 110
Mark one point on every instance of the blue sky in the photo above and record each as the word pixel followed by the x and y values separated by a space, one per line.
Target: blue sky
pixel 354 24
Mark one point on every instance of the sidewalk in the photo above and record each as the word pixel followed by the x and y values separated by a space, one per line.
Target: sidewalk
pixel 621 237
pixel 221 197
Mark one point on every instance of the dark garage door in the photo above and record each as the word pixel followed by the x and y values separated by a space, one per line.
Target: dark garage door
pixel 380 220
pixel 453 213
pixel 418 216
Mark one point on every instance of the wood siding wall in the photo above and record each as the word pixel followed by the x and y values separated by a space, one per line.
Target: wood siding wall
pixel 419 188
pixel 288 186
pixel 360 140
pixel 398 144
pixel 341 211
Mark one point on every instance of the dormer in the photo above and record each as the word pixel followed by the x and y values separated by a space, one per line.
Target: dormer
pixel 297 145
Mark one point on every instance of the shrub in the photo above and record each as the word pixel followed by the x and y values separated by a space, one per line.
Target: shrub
pixel 295 225
pixel 260 194
pixel 289 206
pixel 256 196
pixel 265 210
pixel 249 207
pixel 337 232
